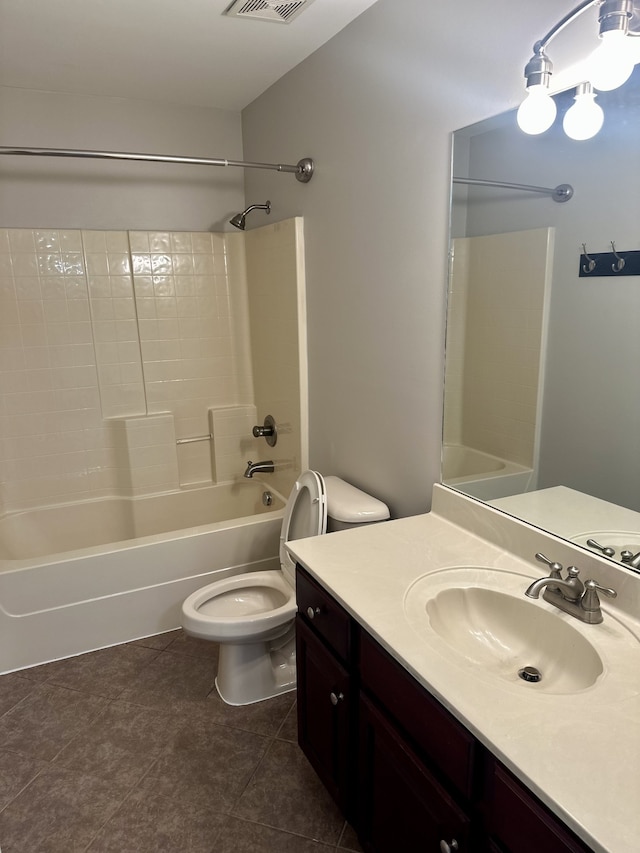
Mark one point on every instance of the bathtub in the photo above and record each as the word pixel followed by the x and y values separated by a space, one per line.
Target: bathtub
pixel 482 475
pixel 82 576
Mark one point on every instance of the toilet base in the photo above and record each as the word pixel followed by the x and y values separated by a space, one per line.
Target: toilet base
pixel 253 672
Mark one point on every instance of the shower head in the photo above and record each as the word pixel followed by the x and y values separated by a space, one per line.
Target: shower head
pixel 238 221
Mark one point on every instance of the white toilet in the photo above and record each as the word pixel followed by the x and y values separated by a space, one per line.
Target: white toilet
pixel 252 615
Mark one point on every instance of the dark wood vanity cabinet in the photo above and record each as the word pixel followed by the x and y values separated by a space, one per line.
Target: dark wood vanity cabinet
pixel 326 698
pixel 404 771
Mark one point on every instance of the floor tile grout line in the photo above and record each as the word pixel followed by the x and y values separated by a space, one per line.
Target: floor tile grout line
pixel 287 831
pixel 90 724
pixel 24 787
pixel 19 702
pixel 135 786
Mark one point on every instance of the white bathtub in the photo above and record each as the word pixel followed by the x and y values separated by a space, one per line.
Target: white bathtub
pixel 482 475
pixel 78 577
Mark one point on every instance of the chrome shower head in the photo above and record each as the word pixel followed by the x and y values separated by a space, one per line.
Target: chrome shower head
pixel 238 221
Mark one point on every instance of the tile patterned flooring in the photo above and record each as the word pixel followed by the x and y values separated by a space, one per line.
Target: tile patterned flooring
pixel 130 750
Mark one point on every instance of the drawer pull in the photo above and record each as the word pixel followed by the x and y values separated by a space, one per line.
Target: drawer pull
pixel 312 612
pixel 336 697
pixel 448 847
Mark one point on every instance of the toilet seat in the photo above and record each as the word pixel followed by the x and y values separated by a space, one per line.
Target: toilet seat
pixel 248 597
pixel 305 515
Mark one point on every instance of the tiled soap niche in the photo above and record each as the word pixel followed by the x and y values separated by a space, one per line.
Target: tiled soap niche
pixel 102 332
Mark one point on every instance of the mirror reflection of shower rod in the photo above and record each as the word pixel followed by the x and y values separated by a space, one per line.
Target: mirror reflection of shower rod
pixel 303 170
pixel 561 193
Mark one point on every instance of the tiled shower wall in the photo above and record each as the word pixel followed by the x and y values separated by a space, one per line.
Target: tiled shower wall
pixel 112 345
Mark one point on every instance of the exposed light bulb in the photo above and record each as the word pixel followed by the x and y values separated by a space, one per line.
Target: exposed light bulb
pixel 584 119
pixel 538 110
pixel 611 64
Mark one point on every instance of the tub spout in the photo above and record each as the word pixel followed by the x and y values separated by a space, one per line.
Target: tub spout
pixel 258 468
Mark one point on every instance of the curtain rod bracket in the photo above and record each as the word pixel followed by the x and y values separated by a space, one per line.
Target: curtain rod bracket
pixel 305 169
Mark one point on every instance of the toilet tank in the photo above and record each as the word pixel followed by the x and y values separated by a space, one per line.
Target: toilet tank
pixel 350 507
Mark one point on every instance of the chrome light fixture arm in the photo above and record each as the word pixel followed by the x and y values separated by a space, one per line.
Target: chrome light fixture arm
pixel 564 22
pixel 539 68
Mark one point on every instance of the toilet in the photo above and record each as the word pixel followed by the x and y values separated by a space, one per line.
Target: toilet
pixel 252 615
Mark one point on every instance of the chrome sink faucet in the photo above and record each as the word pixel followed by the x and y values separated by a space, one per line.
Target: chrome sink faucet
pixel 569 594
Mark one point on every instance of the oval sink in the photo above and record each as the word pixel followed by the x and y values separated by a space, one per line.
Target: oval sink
pixel 483 617
pixel 505 634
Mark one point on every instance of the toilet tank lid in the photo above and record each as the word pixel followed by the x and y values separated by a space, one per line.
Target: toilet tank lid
pixel 351 505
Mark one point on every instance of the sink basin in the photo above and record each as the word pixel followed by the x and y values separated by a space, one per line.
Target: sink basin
pixel 483 618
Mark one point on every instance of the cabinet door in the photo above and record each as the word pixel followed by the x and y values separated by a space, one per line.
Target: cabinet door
pixel 522 824
pixel 401 806
pixel 323 712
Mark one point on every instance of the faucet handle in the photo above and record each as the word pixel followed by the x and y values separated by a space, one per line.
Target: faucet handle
pixel 554 568
pixel 608 552
pixel 590 600
pixel 591 584
pixel 268 430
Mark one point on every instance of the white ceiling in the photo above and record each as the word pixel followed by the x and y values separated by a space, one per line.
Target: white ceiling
pixel 185 51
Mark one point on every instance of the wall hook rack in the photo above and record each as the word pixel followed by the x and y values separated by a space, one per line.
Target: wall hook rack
pixel 600 264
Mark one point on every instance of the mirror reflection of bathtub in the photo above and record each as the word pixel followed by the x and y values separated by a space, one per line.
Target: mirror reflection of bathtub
pixel 86 575
pixel 482 475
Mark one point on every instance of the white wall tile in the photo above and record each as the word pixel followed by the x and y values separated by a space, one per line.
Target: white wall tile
pixel 123 340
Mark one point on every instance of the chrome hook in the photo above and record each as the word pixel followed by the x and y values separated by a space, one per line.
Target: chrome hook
pixel 587 268
pixel 619 264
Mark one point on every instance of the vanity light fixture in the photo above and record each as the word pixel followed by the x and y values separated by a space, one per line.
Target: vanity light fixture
pixel 610 65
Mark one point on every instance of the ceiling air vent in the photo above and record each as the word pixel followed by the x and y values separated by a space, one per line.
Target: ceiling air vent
pixel 268 10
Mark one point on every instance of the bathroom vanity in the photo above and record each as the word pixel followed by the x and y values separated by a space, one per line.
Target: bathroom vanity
pixel 422 746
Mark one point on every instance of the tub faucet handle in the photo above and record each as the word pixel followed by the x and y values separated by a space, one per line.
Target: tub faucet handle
pixel 268 430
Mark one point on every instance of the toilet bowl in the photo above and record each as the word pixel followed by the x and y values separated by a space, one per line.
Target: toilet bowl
pixel 252 615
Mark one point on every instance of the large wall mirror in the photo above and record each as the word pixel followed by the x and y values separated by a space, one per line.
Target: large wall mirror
pixel 542 385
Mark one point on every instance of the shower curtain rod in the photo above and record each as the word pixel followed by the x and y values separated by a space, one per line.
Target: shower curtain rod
pixel 563 192
pixel 303 170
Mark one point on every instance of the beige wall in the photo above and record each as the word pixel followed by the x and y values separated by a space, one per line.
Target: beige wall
pixel 375 107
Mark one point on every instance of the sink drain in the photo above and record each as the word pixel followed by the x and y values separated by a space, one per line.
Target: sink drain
pixel 530 673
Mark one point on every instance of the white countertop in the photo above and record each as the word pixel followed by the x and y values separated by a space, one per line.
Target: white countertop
pixel 579 753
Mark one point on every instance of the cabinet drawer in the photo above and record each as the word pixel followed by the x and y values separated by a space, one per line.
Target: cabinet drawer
pixel 324 614
pixel 520 822
pixel 441 738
